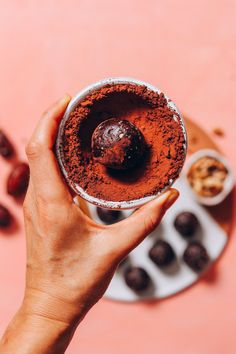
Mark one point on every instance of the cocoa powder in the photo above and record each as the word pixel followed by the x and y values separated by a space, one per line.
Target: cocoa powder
pixel 150 113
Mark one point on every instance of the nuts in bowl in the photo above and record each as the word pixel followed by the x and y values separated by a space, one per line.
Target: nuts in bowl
pixel 209 177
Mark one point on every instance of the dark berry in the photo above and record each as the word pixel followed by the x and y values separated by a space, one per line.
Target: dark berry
pixel 5 217
pixel 18 180
pixel 6 148
pixel 118 144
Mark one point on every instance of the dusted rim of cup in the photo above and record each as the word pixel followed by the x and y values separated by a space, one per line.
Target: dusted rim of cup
pixel 132 204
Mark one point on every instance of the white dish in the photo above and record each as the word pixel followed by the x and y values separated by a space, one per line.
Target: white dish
pixel 228 183
pixel 136 203
pixel 180 276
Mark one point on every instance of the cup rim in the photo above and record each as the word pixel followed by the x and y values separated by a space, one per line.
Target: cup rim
pixel 132 204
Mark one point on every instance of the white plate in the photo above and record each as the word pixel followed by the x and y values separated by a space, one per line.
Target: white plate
pixel 180 276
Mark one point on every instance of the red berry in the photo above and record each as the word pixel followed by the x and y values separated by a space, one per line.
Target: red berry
pixel 18 180
pixel 6 148
pixel 5 217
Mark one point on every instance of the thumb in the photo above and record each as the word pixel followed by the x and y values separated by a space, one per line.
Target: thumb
pixel 128 233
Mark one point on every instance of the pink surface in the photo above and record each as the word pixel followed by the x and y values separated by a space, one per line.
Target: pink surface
pixel 187 48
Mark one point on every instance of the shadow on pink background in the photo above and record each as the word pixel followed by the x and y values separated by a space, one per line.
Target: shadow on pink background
pixel 187 48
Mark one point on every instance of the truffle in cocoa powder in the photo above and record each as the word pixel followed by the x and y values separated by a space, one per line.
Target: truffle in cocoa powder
pixel 150 113
pixel 118 144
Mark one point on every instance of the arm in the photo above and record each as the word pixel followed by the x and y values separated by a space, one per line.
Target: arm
pixel 70 258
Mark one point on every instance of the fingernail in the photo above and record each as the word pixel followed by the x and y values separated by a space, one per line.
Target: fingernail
pixel 174 194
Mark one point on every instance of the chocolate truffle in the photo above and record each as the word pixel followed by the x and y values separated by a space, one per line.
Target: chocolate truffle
pixel 186 223
pixel 118 144
pixel 162 254
pixel 196 257
pixel 108 216
pixel 151 114
pixel 5 217
pixel 137 279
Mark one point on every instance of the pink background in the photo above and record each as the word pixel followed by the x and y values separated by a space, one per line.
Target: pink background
pixel 187 48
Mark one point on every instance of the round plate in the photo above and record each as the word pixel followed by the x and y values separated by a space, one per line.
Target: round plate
pixel 213 234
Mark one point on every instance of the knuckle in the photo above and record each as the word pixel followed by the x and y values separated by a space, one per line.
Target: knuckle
pixel 33 149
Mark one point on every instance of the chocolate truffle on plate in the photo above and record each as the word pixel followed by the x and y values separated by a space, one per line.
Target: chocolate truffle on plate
pixel 196 256
pixel 137 278
pixel 118 144
pixel 162 254
pixel 186 223
pixel 108 216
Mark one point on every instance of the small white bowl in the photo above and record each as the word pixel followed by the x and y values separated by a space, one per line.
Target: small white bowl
pixel 228 183
pixel 133 204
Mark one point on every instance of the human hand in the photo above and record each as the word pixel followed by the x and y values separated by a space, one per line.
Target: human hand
pixel 70 258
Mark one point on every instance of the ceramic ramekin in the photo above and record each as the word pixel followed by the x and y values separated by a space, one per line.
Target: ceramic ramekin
pixel 228 183
pixel 136 203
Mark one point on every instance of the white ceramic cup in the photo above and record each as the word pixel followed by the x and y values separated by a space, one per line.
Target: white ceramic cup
pixel 228 183
pixel 136 203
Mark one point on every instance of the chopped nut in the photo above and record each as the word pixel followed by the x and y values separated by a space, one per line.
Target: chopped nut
pixel 206 176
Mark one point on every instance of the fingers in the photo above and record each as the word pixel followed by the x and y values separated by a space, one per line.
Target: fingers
pixel 44 170
pixel 128 233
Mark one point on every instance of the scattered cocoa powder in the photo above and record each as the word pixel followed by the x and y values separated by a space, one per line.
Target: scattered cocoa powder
pixel 150 113
pixel 218 131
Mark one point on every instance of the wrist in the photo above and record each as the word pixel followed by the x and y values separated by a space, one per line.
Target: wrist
pixel 33 333
pixel 42 304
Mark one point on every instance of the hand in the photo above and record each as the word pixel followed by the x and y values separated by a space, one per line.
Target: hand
pixel 70 258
